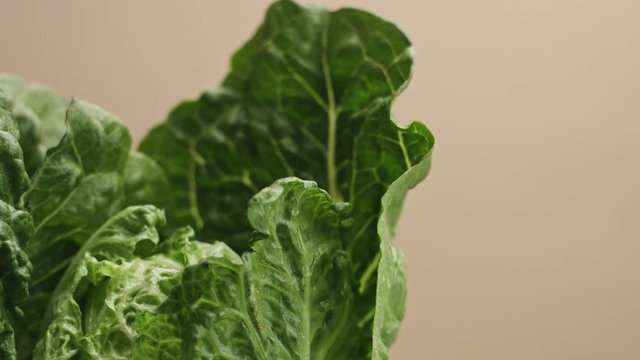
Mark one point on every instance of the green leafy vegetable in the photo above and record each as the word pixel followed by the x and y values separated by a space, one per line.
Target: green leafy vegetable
pixel 15 229
pixel 308 96
pixel 282 269
pixel 78 186
pixel 15 271
pixel 145 182
pixel 289 298
pixel 133 282
pixel 111 282
pixel 80 183
pixel 39 113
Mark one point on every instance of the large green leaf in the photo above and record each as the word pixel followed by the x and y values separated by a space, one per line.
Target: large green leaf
pixel 105 285
pixel 7 336
pixel 289 298
pixel 391 283
pixel 16 228
pixel 116 278
pixel 15 271
pixel 77 188
pixel 308 96
pixel 40 114
pixel 13 177
pixel 88 177
pixel 145 182
pixel 74 187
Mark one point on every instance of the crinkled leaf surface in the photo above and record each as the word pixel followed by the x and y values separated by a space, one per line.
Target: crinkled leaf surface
pixel 16 228
pixel 7 122
pixel 291 297
pixel 110 283
pixel 77 188
pixel 15 270
pixel 7 336
pixel 13 177
pixel 308 96
pixel 40 114
pixel 87 178
pixel 105 284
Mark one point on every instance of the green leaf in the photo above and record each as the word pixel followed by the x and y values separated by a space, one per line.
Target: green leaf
pixel 86 177
pixel 104 286
pixel 145 182
pixel 78 186
pixel 391 283
pixel 308 96
pixel 73 191
pixel 39 113
pixel 110 284
pixel 13 177
pixel 16 228
pixel 79 174
pixel 176 161
pixel 7 337
pixel 7 122
pixel 291 297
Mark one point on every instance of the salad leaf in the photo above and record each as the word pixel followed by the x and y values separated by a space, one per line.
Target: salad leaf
pixel 391 283
pixel 15 271
pixel 110 284
pixel 298 273
pixel 14 179
pixel 104 286
pixel 77 188
pixel 7 337
pixel 75 185
pixel 300 93
pixel 145 182
pixel 82 182
pixel 289 298
pixel 81 174
pixel 15 229
pixel 308 96
pixel 39 112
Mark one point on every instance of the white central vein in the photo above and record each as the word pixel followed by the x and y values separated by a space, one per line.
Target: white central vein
pixel 332 118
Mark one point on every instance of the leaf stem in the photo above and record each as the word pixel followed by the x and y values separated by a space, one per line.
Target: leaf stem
pixel 193 188
pixel 332 117
pixel 371 268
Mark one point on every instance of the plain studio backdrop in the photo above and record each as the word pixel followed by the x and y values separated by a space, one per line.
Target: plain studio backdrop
pixel 524 242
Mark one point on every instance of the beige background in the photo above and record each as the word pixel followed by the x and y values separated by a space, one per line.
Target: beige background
pixel 524 243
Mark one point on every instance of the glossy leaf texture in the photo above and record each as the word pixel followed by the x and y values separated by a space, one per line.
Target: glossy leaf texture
pixel 77 188
pixel 82 182
pixel 290 297
pixel 118 276
pixel 16 228
pixel 310 96
pixel 145 182
pixel 105 284
pixel 14 179
pixel 40 114
pixel 391 290
pixel 299 273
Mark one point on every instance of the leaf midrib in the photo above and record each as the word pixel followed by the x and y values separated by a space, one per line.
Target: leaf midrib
pixel 332 118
